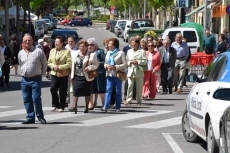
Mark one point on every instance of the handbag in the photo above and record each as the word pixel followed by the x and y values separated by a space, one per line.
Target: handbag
pixel 121 75
pixel 143 68
pixel 91 73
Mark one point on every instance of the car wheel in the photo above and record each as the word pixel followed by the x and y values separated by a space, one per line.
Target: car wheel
pixel 126 40
pixel 88 25
pixel 212 146
pixel 72 25
pixel 123 39
pixel 222 141
pixel 189 135
pixel 65 24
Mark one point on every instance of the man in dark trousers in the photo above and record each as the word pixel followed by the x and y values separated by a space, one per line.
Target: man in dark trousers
pixel 6 66
pixel 168 58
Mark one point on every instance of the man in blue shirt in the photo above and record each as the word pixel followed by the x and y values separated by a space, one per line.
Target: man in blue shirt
pixel 180 65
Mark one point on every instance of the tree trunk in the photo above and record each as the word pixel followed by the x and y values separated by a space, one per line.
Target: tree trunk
pixel 154 11
pixel 165 18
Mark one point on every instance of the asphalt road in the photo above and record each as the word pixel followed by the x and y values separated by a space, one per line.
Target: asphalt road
pixel 153 127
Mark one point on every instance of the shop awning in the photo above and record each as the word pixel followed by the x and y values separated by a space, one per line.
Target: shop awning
pixel 195 10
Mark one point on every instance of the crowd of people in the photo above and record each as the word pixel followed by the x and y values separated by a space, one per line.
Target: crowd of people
pixel 84 70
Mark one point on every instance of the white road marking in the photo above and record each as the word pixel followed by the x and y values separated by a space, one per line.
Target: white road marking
pixel 18 112
pixel 172 143
pixel 116 118
pixel 1 107
pixel 159 124
pixel 51 117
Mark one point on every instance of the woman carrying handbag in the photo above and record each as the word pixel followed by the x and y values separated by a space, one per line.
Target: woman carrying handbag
pixel 83 72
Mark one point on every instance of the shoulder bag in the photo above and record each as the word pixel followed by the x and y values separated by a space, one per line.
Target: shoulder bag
pixel 91 73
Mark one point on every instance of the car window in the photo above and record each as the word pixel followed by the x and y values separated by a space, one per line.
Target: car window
pixel 64 34
pixel 190 36
pixel 144 23
pixel 172 34
pixel 222 94
pixel 215 70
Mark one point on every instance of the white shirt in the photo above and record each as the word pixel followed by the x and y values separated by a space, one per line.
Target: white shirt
pixel 150 60
pixel 166 56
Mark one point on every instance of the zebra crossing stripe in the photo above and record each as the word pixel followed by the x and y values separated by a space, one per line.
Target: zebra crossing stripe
pixel 116 118
pixel 2 107
pixel 18 112
pixel 158 124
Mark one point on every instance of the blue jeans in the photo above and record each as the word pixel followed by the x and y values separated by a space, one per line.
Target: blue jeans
pixel 31 93
pixel 112 82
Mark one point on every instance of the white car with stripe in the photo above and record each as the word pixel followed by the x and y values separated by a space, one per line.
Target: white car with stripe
pixel 203 112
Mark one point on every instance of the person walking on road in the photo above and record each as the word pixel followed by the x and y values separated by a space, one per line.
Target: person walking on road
pixel 168 58
pixel 180 65
pixel 60 63
pixel 33 65
pixel 209 42
pixel 14 53
pixel 6 66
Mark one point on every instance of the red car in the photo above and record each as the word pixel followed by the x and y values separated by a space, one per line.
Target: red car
pixel 65 22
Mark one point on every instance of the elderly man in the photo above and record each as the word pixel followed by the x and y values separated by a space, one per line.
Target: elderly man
pixel 180 65
pixel 168 58
pixel 209 42
pixel 40 44
pixel 33 65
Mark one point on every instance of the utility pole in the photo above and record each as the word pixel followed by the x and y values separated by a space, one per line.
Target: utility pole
pixel 144 9
pixel 88 8
pixel 129 13
pixel 7 23
pixel 17 23
pixel 205 15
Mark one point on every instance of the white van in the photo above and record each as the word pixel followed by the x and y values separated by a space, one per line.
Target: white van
pixel 189 33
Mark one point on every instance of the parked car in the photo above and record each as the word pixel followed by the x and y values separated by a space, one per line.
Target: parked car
pixel 81 22
pixel 119 29
pixel 49 24
pixel 224 146
pixel 65 33
pixel 38 30
pixel 65 22
pixel 44 25
pixel 112 26
pixel 52 20
pixel 108 24
pixel 206 103
pixel 191 34
pixel 125 33
pixel 116 28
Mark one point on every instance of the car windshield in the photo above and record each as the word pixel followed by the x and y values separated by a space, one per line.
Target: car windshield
pixel 64 34
pixel 145 23
pixel 47 20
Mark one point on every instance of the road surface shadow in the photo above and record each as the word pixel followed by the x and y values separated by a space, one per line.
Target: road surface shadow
pixel 16 128
pixel 16 85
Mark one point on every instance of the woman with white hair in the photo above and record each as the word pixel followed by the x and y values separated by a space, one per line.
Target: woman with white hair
pixel 99 83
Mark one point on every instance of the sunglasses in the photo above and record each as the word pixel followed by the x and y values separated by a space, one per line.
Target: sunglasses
pixel 90 44
pixel 150 45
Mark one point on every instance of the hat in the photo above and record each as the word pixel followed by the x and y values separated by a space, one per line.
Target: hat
pixel 40 41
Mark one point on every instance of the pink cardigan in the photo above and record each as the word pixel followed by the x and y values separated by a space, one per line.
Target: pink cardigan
pixel 156 60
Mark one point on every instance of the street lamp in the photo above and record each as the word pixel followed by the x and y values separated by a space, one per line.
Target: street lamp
pixel 144 8
pixel 205 15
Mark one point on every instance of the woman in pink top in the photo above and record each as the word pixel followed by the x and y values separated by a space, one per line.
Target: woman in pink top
pixel 153 64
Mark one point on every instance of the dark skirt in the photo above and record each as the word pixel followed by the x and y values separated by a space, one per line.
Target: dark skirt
pixel 14 61
pixel 81 87
pixel 96 87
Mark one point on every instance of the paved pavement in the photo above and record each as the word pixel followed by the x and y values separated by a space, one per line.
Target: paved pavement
pixel 154 126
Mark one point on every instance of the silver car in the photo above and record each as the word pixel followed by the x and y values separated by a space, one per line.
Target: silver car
pixel 117 28
pixel 44 25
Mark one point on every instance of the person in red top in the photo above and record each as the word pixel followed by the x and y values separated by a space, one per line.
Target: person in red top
pixel 153 70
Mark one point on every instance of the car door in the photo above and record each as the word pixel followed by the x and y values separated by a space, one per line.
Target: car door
pixel 228 129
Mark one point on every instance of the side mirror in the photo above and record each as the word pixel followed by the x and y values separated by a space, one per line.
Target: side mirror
pixel 192 78
pixel 128 26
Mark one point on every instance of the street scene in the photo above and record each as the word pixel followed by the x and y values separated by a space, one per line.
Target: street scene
pixel 154 126
pixel 114 76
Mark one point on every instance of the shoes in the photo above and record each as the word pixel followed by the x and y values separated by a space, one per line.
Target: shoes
pixel 74 109
pixel 175 89
pixel 61 110
pixel 179 90
pixel 94 105
pixel 28 122
pixel 145 97
pixel 138 103
pixel 104 109
pixel 42 120
pixel 170 92
pixel 127 103
pixel 117 110
pixel 53 109
pixel 86 111
pixel 158 89
pixel 164 93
